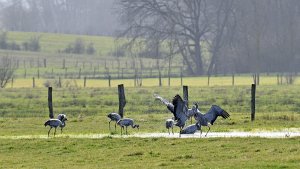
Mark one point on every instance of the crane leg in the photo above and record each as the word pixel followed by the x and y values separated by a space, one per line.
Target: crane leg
pixel 207 131
pixel 172 131
pixel 122 130
pixel 61 130
pixel 169 131
pixel 115 126
pixel 126 130
pixel 109 125
pixel 49 131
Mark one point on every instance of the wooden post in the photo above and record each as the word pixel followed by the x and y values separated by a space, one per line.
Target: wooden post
pixel 52 73
pixel 50 103
pixel 159 78
pixel 25 74
pixel 109 79
pixel 232 79
pixel 45 62
pixel 84 82
pixel 38 73
pixel 79 74
pixel 33 82
pixel 12 82
pixel 94 75
pixel 66 72
pixel 208 78
pixel 253 89
pixel 277 79
pixel 122 100
pixel 59 82
pixel 181 76
pixel 186 94
pixel 64 63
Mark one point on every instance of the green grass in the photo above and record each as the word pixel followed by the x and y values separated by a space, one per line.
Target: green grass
pixel 150 153
pixel 24 110
pixel 51 42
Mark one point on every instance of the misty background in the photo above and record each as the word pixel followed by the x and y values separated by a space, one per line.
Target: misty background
pixel 210 36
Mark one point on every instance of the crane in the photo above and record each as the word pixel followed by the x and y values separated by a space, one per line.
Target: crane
pixel 180 110
pixel 63 119
pixel 113 117
pixel 169 105
pixel 170 124
pixel 125 122
pixel 210 117
pixel 191 129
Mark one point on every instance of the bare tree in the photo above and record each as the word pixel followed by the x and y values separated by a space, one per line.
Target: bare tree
pixel 185 22
pixel 7 68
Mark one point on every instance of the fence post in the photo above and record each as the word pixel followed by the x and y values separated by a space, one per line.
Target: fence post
pixel 232 79
pixel 64 63
pixel 12 82
pixel 84 82
pixel 253 89
pixel 25 74
pixel 109 81
pixel 45 62
pixel 181 76
pixel 38 73
pixel 33 82
pixel 208 78
pixel 50 102
pixel 59 82
pixel 159 78
pixel 79 74
pixel 122 99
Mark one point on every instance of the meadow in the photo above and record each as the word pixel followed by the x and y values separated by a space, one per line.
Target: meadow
pixel 24 109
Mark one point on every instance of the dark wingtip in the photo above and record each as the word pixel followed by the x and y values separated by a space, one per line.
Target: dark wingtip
pixel 225 115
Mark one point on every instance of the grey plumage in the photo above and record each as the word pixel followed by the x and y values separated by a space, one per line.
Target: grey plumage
pixel 191 129
pixel 125 123
pixel 180 110
pixel 170 124
pixel 169 105
pixel 113 117
pixel 63 119
pixel 53 123
pixel 211 116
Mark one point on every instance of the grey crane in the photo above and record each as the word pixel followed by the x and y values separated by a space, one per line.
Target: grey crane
pixel 191 129
pixel 180 111
pixel 210 117
pixel 125 123
pixel 54 123
pixel 189 112
pixel 169 105
pixel 170 124
pixel 63 119
pixel 113 117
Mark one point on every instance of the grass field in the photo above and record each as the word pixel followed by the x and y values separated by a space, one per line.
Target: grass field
pixel 150 153
pixel 51 42
pixel 23 111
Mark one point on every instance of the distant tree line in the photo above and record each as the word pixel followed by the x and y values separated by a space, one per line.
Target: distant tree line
pixel 217 36
pixel 93 17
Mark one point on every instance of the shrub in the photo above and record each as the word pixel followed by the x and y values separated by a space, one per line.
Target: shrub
pixel 90 49
pixel 3 40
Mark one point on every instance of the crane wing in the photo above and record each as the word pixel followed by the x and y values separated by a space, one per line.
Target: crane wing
pixel 214 112
pixel 180 108
pixel 169 105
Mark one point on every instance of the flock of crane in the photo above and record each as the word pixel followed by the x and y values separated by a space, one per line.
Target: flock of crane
pixel 178 107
